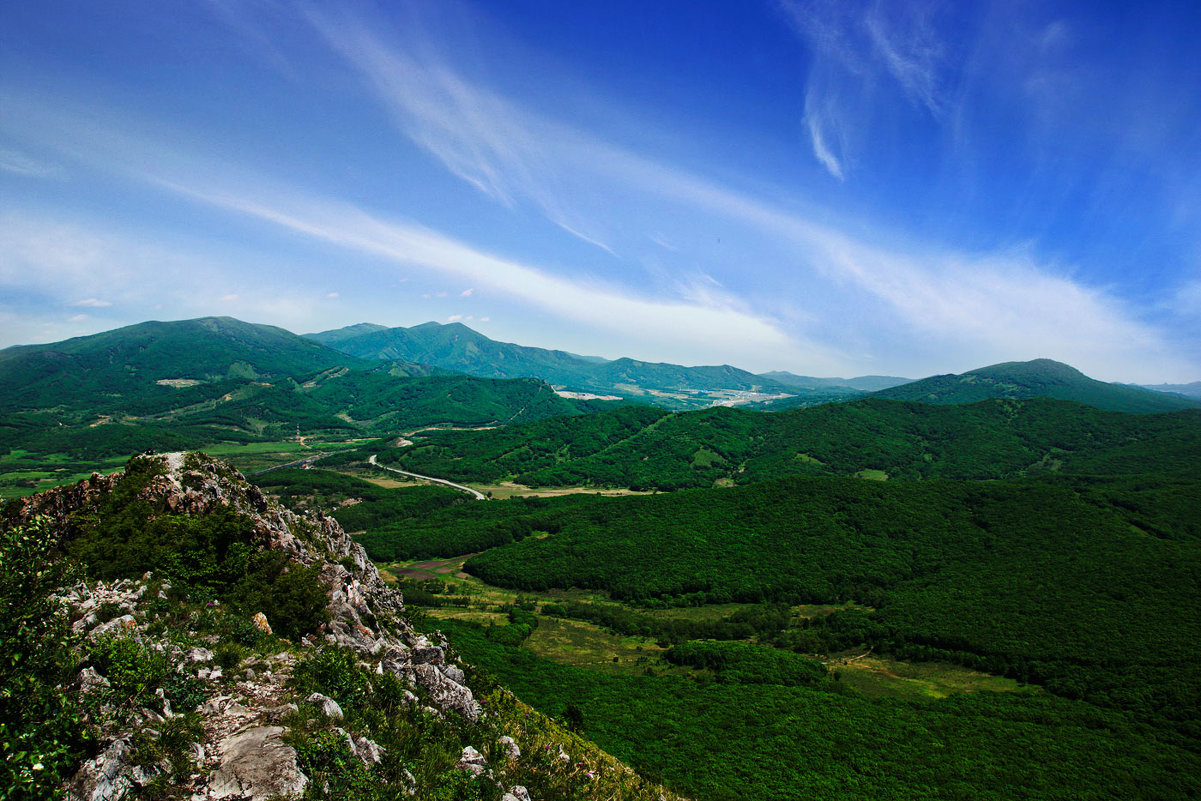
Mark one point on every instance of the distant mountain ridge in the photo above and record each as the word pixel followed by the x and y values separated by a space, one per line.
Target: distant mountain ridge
pixel 863 383
pixel 1192 390
pixel 454 346
pixel 190 383
pixel 1033 379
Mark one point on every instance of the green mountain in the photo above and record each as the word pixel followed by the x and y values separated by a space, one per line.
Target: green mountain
pixel 348 332
pixel 187 384
pixel 645 448
pixel 864 383
pixel 1039 378
pixel 103 371
pixel 456 347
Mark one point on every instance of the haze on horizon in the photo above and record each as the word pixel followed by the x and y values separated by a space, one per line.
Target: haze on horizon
pixel 828 188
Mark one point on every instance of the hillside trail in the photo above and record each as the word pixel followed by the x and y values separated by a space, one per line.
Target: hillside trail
pixel 479 496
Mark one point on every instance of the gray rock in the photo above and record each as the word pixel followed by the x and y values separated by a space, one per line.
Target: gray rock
pixel 90 681
pixel 198 655
pixel 428 656
pixel 123 623
pixel 509 747
pixel 472 761
pixel 519 793
pixel 369 751
pixel 256 765
pixel 329 707
pixel 454 673
pixel 103 778
pixel 445 694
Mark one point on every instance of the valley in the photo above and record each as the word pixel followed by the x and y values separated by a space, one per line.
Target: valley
pixel 968 591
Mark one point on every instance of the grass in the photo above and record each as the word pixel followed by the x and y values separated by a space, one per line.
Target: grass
pixel 587 645
pixel 881 677
pixel 872 475
pixel 573 642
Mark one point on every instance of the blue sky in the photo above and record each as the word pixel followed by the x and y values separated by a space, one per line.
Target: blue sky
pixel 830 188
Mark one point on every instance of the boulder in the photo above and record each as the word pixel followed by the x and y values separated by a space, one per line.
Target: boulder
pixel 329 707
pixel 472 762
pixel 256 765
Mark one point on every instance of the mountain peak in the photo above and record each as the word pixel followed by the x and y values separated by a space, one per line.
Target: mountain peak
pixel 1032 379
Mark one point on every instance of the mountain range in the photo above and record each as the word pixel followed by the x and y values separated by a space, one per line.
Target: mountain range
pixel 454 346
pixel 187 383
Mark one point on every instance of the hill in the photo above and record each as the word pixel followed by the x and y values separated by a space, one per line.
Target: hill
pixel 644 448
pixel 192 383
pixel 104 371
pixel 456 347
pixel 170 633
pixel 1033 379
pixel 863 383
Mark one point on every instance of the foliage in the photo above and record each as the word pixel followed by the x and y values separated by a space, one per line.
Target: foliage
pixel 42 734
pixel 371 506
pixel 958 571
pixel 206 557
pixel 644 448
pixel 745 663
pixel 731 741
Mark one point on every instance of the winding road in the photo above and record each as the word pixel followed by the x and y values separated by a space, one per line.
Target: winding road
pixel 479 496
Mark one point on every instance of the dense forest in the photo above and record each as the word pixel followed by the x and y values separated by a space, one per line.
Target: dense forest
pixel 643 448
pixel 1091 588
pixel 762 738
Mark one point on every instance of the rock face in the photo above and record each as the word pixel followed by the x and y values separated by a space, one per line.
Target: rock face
pixel 256 765
pixel 241 753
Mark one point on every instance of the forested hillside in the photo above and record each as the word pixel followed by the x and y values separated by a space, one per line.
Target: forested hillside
pixel 649 449
pixel 1041 378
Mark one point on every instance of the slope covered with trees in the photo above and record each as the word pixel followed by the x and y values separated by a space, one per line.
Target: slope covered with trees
pixel 648 449
pixel 1041 378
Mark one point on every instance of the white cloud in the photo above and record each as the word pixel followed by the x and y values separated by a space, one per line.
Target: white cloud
pixel 466 293
pixel 1006 305
pixel 454 318
pixel 75 318
pixel 229 298
pixel 91 303
pixel 332 295
pixel 820 150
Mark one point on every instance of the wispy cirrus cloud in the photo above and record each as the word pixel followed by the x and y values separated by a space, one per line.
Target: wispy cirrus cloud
pixel 936 305
pixel 861 53
pixel 674 323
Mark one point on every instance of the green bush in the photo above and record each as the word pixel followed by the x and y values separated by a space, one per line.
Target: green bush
pixel 42 736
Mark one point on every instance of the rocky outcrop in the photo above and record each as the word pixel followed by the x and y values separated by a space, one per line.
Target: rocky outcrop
pixel 256 765
pixel 241 752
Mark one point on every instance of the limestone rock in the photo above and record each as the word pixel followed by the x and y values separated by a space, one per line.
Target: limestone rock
pixel 445 694
pixel 256 765
pixel 90 681
pixel 472 762
pixel 104 777
pixel 329 707
pixel 509 747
